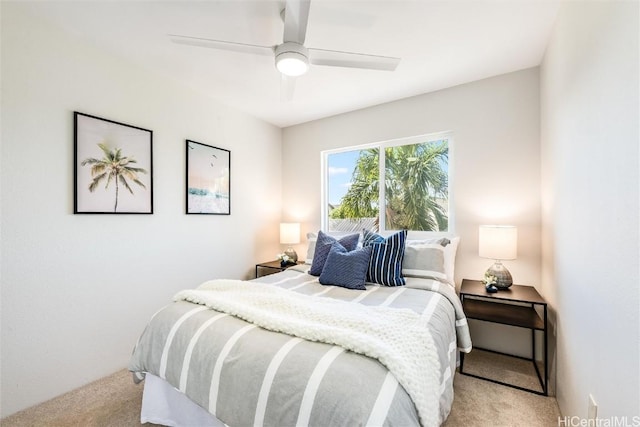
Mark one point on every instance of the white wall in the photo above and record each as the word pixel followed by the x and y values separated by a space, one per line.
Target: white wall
pixel 495 162
pixel 590 181
pixel 78 289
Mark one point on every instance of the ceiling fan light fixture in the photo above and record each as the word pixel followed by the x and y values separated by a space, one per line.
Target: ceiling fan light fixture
pixel 292 64
pixel 292 59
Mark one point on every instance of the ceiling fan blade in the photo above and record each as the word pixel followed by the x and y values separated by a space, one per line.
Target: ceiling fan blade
pixel 296 16
pixel 222 45
pixel 352 60
pixel 287 88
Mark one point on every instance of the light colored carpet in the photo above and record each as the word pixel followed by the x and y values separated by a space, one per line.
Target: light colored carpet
pixel 482 403
pixel 115 400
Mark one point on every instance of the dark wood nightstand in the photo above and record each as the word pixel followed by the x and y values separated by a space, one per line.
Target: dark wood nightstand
pixel 515 306
pixel 272 267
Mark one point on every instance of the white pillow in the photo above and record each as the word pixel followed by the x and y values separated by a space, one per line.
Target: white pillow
pixel 425 261
pixel 312 238
pixel 449 254
pixel 450 259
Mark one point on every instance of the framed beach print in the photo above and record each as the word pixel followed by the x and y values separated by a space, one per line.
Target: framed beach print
pixel 112 167
pixel 208 179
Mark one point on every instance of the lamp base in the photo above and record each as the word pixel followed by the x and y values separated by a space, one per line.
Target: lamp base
pixel 291 254
pixel 502 275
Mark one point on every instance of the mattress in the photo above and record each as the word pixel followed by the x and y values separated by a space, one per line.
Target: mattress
pixel 164 405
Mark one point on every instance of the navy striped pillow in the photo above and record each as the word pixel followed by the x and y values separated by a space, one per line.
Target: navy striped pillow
pixel 385 266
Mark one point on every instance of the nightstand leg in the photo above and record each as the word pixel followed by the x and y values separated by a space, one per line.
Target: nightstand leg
pixel 546 367
pixel 461 353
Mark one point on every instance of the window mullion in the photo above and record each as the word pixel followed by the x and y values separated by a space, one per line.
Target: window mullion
pixel 382 203
pixel 324 192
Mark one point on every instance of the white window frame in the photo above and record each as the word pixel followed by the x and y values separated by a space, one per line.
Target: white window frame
pixel 418 139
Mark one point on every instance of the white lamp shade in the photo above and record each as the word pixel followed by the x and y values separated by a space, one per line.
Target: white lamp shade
pixel 289 233
pixel 498 242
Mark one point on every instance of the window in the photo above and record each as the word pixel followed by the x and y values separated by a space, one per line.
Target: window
pixel 415 194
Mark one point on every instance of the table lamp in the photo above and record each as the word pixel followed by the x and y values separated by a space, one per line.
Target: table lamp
pixel 290 235
pixel 498 242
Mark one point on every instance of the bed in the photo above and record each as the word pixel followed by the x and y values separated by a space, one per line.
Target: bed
pixel 286 349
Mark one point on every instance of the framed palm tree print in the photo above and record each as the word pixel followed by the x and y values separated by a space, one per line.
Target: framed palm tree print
pixel 208 174
pixel 112 167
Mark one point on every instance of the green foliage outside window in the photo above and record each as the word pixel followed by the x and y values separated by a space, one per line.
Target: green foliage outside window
pixel 416 187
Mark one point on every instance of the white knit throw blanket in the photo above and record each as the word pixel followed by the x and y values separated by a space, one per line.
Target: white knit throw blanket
pixel 398 338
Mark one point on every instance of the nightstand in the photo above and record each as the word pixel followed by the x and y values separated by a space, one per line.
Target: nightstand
pixel 272 267
pixel 515 306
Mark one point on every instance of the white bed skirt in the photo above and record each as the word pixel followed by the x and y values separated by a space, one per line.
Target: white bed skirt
pixel 163 404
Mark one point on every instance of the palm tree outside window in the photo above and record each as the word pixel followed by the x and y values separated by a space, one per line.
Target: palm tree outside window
pixel 415 193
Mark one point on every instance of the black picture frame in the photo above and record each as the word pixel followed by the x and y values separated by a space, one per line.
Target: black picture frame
pixel 208 179
pixel 113 167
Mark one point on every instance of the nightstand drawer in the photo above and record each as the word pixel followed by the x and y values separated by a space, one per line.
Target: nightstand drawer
pixel 507 314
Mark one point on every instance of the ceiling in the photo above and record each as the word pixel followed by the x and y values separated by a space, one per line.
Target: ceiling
pixel 440 43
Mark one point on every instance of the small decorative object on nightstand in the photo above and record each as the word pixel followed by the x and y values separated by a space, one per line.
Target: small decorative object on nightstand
pixel 290 235
pixel 498 242
pixel 490 283
pixel 285 260
pixel 478 303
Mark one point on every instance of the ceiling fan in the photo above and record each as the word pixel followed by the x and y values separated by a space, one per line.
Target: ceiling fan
pixel 292 58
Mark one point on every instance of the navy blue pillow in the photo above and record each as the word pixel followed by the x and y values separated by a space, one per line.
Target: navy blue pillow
pixel 385 266
pixel 346 269
pixel 369 237
pixel 323 246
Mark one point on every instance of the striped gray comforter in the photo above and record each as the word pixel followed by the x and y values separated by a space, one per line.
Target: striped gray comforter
pixel 246 375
